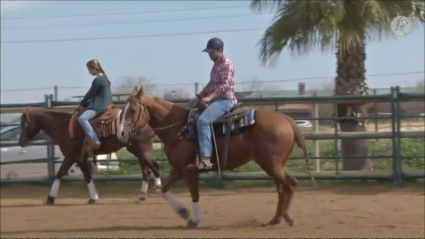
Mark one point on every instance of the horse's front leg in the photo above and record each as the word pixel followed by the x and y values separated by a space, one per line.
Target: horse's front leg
pixel 174 176
pixel 66 164
pixel 192 180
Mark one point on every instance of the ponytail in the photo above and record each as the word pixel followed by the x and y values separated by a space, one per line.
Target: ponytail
pixel 103 72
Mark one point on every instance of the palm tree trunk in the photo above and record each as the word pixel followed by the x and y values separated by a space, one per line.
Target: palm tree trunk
pixel 351 80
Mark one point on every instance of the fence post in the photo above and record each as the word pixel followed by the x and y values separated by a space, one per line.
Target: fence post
pixel 316 148
pixel 399 156
pixel 50 148
pixel 56 92
pixel 376 114
pixel 336 140
pixel 196 88
pixel 393 138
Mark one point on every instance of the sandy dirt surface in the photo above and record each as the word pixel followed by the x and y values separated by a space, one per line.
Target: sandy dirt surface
pixel 338 212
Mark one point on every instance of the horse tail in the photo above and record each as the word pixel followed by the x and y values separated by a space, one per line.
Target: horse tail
pixel 300 140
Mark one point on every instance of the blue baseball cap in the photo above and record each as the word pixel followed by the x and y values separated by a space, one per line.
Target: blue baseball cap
pixel 214 44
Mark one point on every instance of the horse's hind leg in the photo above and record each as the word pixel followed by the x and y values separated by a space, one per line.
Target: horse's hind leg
pixel 85 169
pixel 289 193
pixel 66 164
pixel 278 175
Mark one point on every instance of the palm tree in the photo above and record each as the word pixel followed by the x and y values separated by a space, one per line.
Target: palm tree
pixel 344 25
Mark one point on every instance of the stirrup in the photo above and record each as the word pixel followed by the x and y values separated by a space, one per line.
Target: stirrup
pixel 204 164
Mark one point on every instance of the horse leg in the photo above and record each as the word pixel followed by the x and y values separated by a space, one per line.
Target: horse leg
pixel 174 176
pixel 85 169
pixel 143 157
pixel 66 164
pixel 289 193
pixel 192 180
pixel 278 175
pixel 145 182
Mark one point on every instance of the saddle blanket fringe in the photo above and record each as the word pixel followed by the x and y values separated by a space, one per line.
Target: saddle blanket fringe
pixel 110 129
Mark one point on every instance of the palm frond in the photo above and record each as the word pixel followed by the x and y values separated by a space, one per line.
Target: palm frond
pixel 300 26
pixel 262 5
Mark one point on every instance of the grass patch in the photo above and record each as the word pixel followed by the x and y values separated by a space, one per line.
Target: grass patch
pixel 383 148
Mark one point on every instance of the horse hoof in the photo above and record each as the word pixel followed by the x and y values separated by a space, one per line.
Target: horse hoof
pixel 192 224
pixel 183 213
pixel 91 201
pixel 50 200
pixel 273 222
pixel 289 220
pixel 158 188
pixel 140 199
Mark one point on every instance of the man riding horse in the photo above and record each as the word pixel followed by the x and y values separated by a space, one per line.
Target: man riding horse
pixel 219 94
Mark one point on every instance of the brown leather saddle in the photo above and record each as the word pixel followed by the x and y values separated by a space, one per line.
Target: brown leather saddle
pixel 107 118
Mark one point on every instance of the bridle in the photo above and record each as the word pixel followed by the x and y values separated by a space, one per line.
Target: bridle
pixel 135 128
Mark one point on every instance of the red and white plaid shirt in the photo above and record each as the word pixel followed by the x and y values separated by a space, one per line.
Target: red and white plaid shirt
pixel 222 79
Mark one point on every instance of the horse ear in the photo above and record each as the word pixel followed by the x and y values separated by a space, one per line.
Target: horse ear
pixel 26 112
pixel 140 93
pixel 135 90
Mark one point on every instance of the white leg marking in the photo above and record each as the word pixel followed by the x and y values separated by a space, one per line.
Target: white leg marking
pixel 144 187
pixel 176 205
pixel 55 188
pixel 158 182
pixel 143 191
pixel 92 191
pixel 196 208
pixel 121 128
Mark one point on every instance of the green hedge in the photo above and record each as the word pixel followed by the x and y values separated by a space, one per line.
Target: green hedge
pixel 381 148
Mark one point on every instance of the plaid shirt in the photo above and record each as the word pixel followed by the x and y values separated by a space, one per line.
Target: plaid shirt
pixel 222 79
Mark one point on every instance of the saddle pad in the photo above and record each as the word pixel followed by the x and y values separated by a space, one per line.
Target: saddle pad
pixel 246 121
pixel 110 129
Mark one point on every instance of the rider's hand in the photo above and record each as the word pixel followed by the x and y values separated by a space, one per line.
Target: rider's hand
pixel 206 100
pixel 193 102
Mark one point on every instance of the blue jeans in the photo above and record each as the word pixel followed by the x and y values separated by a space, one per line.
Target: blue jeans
pixel 84 122
pixel 214 111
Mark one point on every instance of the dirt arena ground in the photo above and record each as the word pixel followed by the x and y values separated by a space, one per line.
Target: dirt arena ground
pixel 339 212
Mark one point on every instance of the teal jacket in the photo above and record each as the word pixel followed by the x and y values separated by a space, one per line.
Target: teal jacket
pixel 99 96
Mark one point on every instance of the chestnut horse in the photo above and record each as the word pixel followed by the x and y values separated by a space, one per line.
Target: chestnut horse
pixel 265 136
pixel 56 124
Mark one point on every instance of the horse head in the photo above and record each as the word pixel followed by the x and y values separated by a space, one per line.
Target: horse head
pixel 29 127
pixel 136 116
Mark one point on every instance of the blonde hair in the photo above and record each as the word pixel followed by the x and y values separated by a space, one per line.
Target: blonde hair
pixel 95 64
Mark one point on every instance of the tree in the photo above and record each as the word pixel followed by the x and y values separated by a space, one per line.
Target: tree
pixel 420 87
pixel 343 25
pixel 176 95
pixel 127 84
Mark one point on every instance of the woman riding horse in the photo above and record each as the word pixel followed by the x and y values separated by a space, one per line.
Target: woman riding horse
pixel 96 100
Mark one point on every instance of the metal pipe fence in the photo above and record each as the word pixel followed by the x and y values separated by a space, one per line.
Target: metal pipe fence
pixel 396 172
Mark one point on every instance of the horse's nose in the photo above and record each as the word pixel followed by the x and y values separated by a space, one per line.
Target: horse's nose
pixel 122 134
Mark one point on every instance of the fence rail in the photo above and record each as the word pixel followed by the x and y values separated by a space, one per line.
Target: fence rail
pixel 396 173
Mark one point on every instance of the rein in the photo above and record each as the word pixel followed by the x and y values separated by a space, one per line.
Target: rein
pixel 176 139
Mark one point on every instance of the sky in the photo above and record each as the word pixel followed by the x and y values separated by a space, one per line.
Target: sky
pixel 174 61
